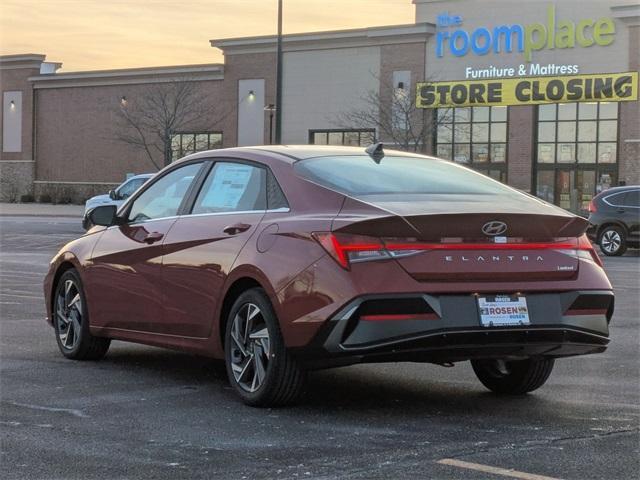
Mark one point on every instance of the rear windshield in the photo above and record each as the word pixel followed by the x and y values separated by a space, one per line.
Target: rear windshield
pixel 360 175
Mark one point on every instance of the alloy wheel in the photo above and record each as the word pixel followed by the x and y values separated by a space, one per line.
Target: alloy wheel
pixel 611 241
pixel 250 349
pixel 69 315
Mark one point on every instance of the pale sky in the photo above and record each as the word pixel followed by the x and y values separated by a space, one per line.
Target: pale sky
pixel 104 34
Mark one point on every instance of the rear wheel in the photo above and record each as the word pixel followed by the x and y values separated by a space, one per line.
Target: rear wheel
pixel 71 321
pixel 513 377
pixel 259 367
pixel 613 241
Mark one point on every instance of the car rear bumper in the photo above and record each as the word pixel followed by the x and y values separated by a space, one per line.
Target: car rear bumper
pixel 561 324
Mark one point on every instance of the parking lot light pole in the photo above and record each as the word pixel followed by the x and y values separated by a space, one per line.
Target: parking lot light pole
pixel 279 78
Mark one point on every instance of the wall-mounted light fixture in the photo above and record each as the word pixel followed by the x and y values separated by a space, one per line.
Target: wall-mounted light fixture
pixel 400 85
pixel 271 108
pixel 12 105
pixel 123 101
pixel 252 95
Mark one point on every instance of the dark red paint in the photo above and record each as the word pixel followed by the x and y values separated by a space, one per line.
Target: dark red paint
pixel 166 282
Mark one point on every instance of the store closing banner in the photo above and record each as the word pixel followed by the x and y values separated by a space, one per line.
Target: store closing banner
pixel 610 87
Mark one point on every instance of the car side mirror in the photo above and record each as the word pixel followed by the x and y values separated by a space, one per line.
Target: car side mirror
pixel 104 215
pixel 113 195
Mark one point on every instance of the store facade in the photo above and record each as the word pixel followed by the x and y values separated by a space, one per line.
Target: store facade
pixel 540 95
pixel 568 71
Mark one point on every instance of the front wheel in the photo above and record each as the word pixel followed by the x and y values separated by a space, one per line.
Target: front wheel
pixel 71 321
pixel 513 377
pixel 613 241
pixel 259 367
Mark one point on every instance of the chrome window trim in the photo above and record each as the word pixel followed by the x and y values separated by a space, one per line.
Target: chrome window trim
pixel 279 210
pixel 210 214
pixel 606 200
pixel 239 212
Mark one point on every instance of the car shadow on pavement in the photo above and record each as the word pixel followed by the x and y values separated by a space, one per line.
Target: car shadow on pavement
pixel 389 390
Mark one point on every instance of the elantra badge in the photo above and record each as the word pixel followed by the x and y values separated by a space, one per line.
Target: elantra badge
pixel 494 228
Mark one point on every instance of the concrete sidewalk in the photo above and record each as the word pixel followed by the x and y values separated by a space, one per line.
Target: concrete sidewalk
pixel 41 210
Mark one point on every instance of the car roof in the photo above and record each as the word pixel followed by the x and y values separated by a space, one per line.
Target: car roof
pixel 302 152
pixel 293 153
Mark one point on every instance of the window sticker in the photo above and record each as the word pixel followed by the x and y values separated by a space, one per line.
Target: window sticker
pixel 230 181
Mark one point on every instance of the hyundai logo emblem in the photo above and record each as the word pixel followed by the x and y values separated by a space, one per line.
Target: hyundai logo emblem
pixel 494 228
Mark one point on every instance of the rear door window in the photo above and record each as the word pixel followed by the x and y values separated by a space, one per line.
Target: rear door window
pixel 232 187
pixel 616 200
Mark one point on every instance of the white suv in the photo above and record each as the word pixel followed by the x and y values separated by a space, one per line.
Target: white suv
pixel 117 196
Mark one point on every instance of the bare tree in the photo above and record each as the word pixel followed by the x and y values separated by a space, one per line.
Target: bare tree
pixel 148 121
pixel 392 111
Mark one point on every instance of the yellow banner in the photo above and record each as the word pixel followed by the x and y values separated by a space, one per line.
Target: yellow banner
pixel 606 87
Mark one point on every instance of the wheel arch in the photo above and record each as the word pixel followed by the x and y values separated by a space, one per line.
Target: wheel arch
pixel 65 263
pixel 611 223
pixel 242 281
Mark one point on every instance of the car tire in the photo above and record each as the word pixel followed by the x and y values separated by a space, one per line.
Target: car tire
pixel 613 241
pixel 260 368
pixel 71 321
pixel 513 377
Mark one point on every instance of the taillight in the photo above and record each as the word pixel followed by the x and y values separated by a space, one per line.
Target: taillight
pixel 592 207
pixel 346 249
pixel 584 245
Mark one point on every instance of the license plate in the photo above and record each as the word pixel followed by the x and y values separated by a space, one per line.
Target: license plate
pixel 503 310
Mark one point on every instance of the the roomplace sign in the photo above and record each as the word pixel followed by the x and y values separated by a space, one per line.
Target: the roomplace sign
pixel 526 39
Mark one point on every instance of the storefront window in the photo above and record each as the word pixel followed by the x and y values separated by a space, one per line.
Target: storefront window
pixel 184 143
pixel 576 152
pixel 352 138
pixel 475 136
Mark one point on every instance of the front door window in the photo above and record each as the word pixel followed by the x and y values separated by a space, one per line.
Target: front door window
pixel 164 197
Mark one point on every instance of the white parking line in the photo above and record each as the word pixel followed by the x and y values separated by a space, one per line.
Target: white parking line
pixel 37 297
pixel 494 470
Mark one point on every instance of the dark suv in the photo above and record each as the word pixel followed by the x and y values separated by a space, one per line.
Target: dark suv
pixel 614 216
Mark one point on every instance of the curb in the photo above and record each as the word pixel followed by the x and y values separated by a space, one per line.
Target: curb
pixel 59 215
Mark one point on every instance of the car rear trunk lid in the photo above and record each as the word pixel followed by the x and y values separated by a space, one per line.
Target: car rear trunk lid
pixel 444 237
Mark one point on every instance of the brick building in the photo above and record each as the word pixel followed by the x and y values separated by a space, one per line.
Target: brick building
pixel 540 95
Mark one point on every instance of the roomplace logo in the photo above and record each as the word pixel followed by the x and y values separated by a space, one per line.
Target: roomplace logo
pixel 526 39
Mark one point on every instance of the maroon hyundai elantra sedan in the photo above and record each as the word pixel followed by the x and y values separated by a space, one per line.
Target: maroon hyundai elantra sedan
pixel 284 259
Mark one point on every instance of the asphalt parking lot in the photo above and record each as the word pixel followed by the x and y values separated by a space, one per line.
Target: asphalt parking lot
pixel 144 412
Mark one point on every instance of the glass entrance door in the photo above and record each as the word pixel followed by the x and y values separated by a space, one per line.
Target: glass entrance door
pixel 585 188
pixel 565 190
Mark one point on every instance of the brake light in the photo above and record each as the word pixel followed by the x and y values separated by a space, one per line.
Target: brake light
pixel 346 249
pixel 592 207
pixel 584 245
pixel 350 248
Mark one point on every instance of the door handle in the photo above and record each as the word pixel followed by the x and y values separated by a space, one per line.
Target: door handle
pixel 236 228
pixel 153 237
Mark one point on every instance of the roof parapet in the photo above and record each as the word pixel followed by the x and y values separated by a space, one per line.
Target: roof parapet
pixel 200 72
pixel 372 36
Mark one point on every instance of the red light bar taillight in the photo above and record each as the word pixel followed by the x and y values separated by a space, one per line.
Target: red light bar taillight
pixel 592 207
pixel 584 245
pixel 347 249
